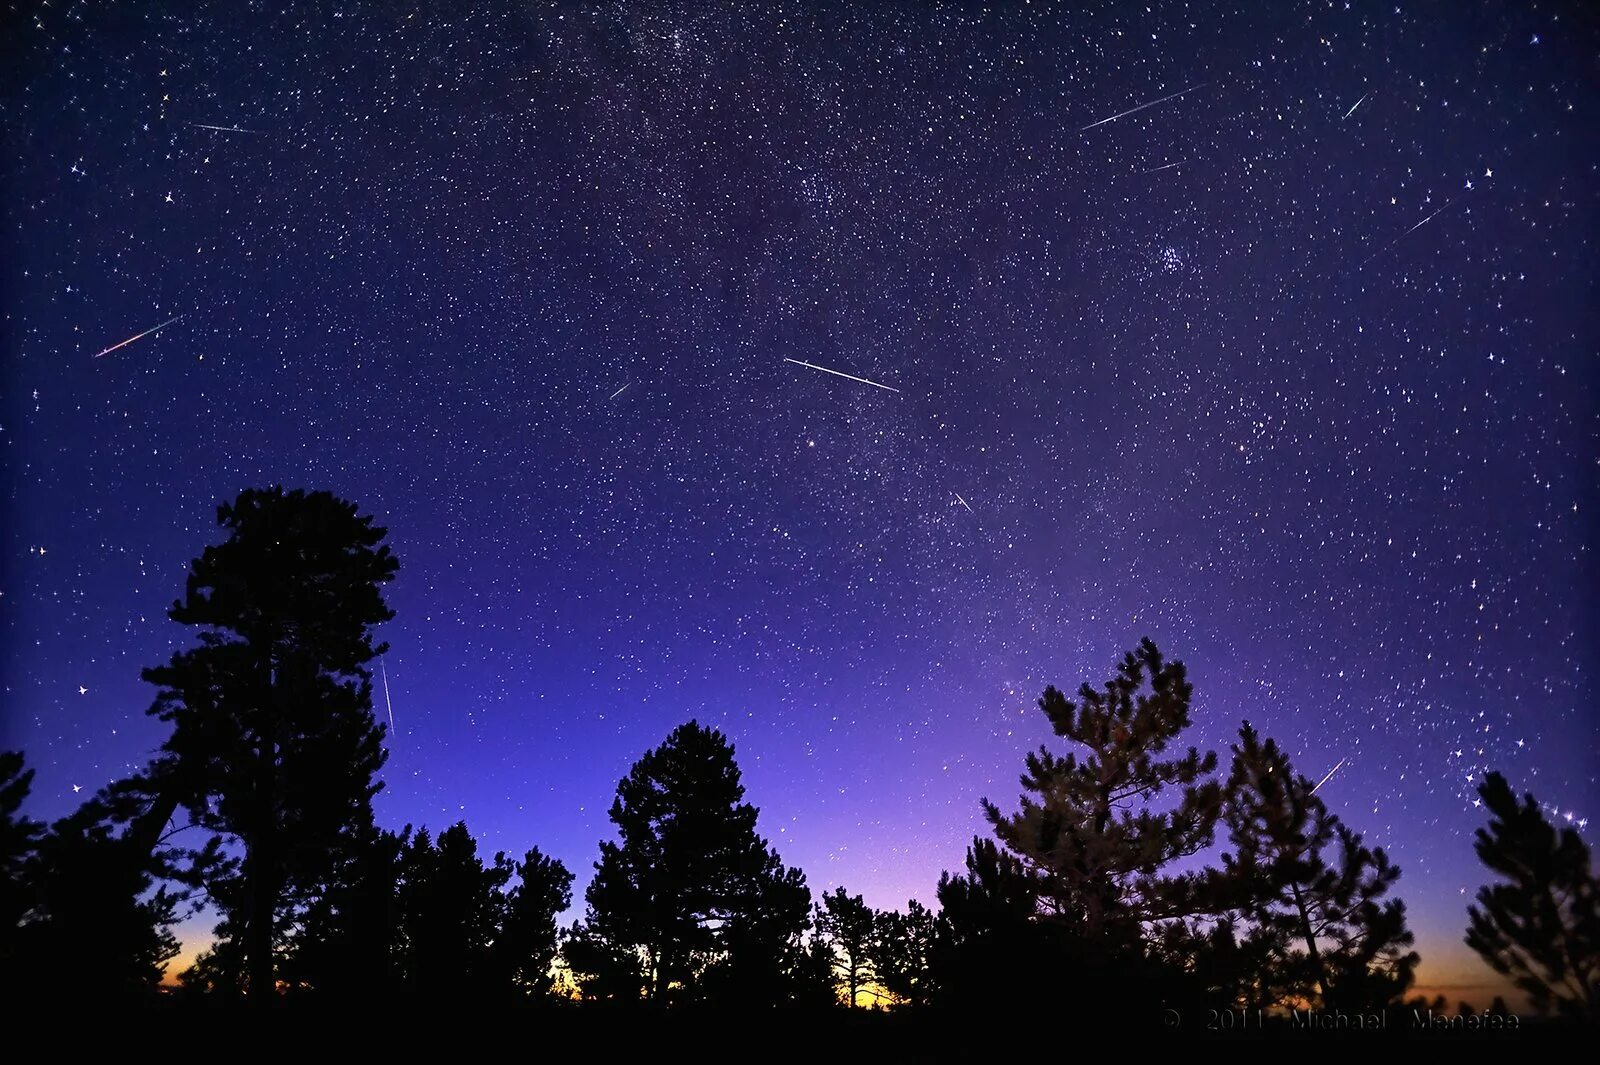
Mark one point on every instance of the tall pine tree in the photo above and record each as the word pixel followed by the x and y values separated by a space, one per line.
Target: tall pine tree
pixel 1310 895
pixel 274 745
pixel 1541 925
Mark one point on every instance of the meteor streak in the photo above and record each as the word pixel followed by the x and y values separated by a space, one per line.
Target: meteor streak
pixel 1406 234
pixel 1424 222
pixel 840 373
pixel 222 129
pixel 618 392
pixel 1325 779
pixel 138 336
pixel 1355 105
pixel 1169 166
pixel 387 705
pixel 1141 107
pixel 963 502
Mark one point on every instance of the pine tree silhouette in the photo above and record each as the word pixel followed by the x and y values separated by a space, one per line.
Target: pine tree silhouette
pixel 988 932
pixel 689 901
pixel 1541 925
pixel 1310 894
pixel 348 943
pixel 902 951
pixel 274 744
pixel 19 836
pixel 99 926
pixel 450 907
pixel 846 923
pixel 1089 825
pixel 525 947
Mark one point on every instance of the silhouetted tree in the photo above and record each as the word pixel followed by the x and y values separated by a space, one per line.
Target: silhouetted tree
pixel 1089 825
pixel 525 947
pixel 19 836
pixel 688 886
pixel 987 931
pixel 846 923
pixel 274 744
pixel 348 943
pixel 450 911
pixel 813 981
pixel 603 968
pixel 1311 894
pixel 98 926
pixel 902 950
pixel 1542 925
pixel 1217 961
pixel 761 957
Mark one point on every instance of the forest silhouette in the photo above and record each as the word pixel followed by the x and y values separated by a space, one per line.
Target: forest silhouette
pixel 1135 880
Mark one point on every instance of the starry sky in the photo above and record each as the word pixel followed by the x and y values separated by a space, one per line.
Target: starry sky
pixel 1266 330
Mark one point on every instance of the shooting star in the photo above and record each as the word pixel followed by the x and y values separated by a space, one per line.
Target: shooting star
pixel 139 336
pixel 840 373
pixel 1169 166
pixel 963 502
pixel 1422 223
pixel 223 129
pixel 387 705
pixel 1355 105
pixel 1325 779
pixel 618 392
pixel 1406 234
pixel 1141 107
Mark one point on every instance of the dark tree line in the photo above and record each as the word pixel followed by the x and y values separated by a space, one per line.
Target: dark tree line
pixel 1094 890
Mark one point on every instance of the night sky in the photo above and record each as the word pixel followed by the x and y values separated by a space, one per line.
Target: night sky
pixel 1293 371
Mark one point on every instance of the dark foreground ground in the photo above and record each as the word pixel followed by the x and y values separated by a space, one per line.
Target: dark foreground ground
pixel 598 1033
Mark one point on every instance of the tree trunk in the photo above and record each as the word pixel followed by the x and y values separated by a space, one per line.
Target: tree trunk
pixel 144 835
pixel 262 904
pixel 261 880
pixel 1311 944
pixel 1097 897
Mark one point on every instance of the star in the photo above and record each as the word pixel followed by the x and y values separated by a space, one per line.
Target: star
pixel 82 690
pixel 1487 172
pixel 76 788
